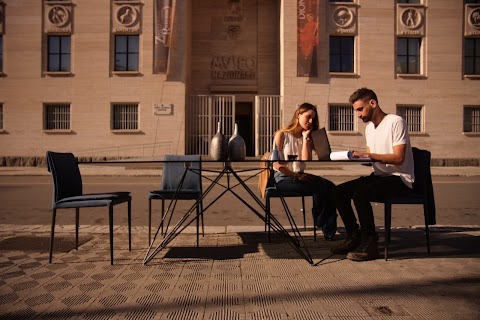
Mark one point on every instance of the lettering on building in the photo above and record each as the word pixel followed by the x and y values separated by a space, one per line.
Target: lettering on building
pixel 233 67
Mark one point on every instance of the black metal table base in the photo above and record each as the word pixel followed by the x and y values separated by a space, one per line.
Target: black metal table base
pixel 296 240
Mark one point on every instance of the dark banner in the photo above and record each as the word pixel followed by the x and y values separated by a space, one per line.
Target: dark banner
pixel 307 37
pixel 164 12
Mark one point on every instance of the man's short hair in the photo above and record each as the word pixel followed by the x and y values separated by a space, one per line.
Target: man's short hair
pixel 363 94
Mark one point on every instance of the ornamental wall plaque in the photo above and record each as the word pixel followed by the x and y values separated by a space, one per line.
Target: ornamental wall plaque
pixel 126 18
pixel 410 20
pixel 472 20
pixel 233 19
pixel 57 17
pixel 343 19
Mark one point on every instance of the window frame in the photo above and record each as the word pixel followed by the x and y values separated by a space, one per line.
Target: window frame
pixel 350 127
pixel 2 128
pixel 405 116
pixel 1 54
pixel 408 56
pixel 59 53
pixel 475 56
pixel 342 55
pixel 476 120
pixel 124 122
pixel 58 121
pixel 127 53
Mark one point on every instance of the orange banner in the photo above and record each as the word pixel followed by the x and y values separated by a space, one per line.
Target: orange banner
pixel 307 37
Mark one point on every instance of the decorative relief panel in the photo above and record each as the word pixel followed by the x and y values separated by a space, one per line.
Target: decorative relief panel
pixel 472 20
pixel 343 19
pixel 57 17
pixel 126 16
pixel 411 20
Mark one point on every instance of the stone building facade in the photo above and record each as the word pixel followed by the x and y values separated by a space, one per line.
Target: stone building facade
pixel 145 78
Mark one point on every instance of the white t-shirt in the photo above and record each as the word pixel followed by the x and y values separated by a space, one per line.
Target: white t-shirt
pixel 392 131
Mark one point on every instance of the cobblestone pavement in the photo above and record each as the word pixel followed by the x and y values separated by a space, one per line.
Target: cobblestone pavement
pixel 235 274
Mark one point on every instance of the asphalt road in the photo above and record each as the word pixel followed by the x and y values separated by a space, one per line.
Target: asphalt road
pixel 26 200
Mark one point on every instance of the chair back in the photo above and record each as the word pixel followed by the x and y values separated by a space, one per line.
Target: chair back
pixel 421 159
pixel 67 180
pixel 173 173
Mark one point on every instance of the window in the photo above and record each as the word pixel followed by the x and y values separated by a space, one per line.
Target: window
pixel 1 53
pixel 341 54
pixel 471 119
pixel 413 117
pixel 126 53
pixel 409 1
pixel 1 117
pixel 472 56
pixel 125 117
pixel 408 55
pixel 341 118
pixel 472 1
pixel 58 53
pixel 57 117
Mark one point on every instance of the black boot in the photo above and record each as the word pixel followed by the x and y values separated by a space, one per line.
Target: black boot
pixel 351 243
pixel 367 250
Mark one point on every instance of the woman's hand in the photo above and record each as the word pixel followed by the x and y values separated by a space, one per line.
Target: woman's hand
pixel 305 177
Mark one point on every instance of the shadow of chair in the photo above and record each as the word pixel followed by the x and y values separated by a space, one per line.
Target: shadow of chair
pixel 181 180
pixel 422 194
pixel 68 193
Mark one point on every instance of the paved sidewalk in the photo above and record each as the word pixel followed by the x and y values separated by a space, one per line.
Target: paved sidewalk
pixel 235 274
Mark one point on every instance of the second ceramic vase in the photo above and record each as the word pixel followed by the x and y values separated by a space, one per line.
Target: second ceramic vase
pixel 237 150
pixel 219 146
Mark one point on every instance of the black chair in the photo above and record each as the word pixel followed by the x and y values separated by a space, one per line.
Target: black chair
pixel 272 192
pixel 68 193
pixel 422 194
pixel 174 171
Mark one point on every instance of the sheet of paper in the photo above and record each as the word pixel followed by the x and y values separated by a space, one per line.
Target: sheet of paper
pixel 346 155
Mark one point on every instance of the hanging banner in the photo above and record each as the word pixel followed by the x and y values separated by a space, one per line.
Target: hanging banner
pixel 307 37
pixel 164 14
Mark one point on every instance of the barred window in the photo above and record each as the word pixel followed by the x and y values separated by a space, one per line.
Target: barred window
pixel 58 53
pixel 413 116
pixel 57 117
pixel 126 53
pixel 471 119
pixel 408 55
pixel 341 118
pixel 125 117
pixel 1 116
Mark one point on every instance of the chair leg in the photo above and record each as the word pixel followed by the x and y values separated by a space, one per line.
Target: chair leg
pixel 427 232
pixel 149 221
pixel 203 225
pixel 52 233
pixel 198 226
pixel 267 216
pixel 388 224
pixel 77 223
pixel 303 211
pixel 129 225
pixel 163 215
pixel 314 225
pixel 110 223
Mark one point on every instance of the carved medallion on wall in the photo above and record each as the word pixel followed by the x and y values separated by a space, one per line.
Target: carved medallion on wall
pixel 57 17
pixel 411 21
pixel 233 19
pixel 343 19
pixel 126 17
pixel 472 20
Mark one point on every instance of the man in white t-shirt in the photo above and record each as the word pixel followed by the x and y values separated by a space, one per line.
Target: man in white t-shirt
pixel 388 145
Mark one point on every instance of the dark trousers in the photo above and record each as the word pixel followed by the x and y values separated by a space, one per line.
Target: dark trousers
pixel 362 191
pixel 325 213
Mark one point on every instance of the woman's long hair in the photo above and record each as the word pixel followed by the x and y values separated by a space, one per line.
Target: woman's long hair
pixel 304 107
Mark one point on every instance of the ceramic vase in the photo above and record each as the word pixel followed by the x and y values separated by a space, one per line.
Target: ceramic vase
pixel 219 146
pixel 237 150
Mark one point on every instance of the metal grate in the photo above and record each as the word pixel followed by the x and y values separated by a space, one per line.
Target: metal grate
pixel 268 119
pixel 340 118
pixel 412 116
pixel 57 117
pixel 471 119
pixel 125 117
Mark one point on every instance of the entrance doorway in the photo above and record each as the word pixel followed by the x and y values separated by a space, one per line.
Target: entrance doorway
pixel 244 117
